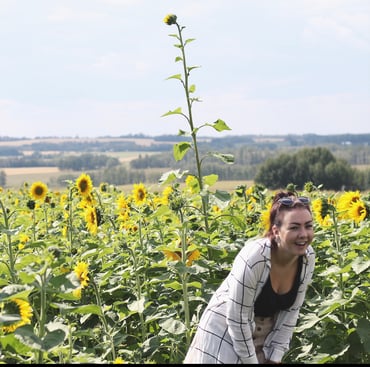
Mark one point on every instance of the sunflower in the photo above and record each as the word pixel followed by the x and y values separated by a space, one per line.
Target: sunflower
pixel 172 255
pixel 170 19
pixel 23 239
pixel 191 256
pixel 118 360
pixel 320 209
pixel 84 185
pixel 82 272
pixel 345 202
pixel 357 211
pixel 38 190
pixel 19 307
pixel 87 201
pixel 139 193
pixel 265 218
pixel 91 218
pixel 192 184
pixel 165 195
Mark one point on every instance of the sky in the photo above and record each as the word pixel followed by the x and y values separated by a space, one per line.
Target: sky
pixel 93 68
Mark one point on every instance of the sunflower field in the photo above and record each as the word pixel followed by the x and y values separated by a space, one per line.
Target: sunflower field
pixel 96 275
pixel 93 274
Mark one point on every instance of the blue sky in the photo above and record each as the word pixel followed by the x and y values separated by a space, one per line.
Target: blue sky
pixel 92 68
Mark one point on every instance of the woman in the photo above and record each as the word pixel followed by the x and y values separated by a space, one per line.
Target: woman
pixel 251 316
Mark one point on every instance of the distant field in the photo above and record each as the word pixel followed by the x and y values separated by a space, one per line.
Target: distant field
pixel 16 177
pixel 138 141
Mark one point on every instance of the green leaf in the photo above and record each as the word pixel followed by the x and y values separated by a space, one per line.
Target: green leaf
pixel 174 285
pixel 189 40
pixel 170 176
pixel 359 265
pixel 26 336
pixel 53 339
pixel 87 309
pixel 190 68
pixel 14 291
pixel 192 88
pixel 173 326
pixel 226 158
pixel 182 133
pixel 363 330
pixel 210 179
pixel 219 125
pixel 224 196
pixel 177 111
pixel 195 285
pixel 137 306
pixel 308 322
pixel 65 282
pixel 180 149
pixel 175 76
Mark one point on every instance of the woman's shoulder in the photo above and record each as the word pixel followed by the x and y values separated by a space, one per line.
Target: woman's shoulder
pixel 256 250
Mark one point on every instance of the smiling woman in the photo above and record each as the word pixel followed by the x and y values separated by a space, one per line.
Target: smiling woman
pixel 251 316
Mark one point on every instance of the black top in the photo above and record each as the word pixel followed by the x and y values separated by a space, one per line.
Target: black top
pixel 269 302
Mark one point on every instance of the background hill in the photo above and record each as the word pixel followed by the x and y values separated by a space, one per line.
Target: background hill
pixel 128 159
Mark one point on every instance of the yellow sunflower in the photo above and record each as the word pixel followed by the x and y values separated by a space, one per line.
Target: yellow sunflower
pixel 191 256
pixel 82 272
pixel 91 219
pixel 265 218
pixel 84 185
pixel 357 211
pixel 170 19
pixel 320 210
pixel 173 253
pixel 192 184
pixel 87 201
pixel 118 360
pixel 165 194
pixel 140 194
pixel 19 307
pixel 38 190
pixel 345 202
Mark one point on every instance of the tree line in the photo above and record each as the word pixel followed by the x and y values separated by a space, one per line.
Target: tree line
pixel 273 163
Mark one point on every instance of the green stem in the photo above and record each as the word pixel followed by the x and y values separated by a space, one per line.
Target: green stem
pixel 184 280
pixel 104 320
pixel 9 243
pixel 138 286
pixel 42 320
pixel 70 222
pixel 193 131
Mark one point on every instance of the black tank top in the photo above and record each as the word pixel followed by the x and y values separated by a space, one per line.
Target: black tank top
pixel 269 302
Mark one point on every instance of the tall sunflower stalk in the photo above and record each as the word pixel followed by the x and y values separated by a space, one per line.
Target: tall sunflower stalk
pixel 8 232
pixel 180 149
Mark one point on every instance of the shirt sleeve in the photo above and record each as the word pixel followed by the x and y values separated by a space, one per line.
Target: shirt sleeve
pixel 245 276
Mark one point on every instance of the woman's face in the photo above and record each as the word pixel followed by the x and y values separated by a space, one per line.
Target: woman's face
pixel 295 232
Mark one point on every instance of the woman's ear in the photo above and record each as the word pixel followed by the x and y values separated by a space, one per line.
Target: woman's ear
pixel 275 230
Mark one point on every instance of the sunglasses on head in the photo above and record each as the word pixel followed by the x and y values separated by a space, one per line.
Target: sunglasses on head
pixel 290 202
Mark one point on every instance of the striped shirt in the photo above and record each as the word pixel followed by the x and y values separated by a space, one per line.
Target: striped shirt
pixel 224 333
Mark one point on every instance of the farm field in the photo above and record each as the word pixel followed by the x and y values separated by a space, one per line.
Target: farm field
pixel 16 177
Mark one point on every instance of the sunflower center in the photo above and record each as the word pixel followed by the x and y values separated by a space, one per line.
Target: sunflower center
pixel 83 186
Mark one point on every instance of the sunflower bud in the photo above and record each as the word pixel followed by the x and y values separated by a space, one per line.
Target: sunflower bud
pixel 170 19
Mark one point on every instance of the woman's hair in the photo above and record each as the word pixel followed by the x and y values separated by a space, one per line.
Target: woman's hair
pixel 284 201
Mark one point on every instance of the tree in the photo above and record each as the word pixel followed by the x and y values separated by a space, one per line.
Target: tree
pixel 316 165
